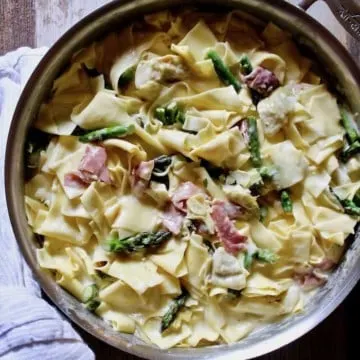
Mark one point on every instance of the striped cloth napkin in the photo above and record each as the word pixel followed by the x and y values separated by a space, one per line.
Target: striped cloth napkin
pixel 29 327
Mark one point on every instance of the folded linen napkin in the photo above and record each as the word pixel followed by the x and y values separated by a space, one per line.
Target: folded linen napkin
pixel 29 327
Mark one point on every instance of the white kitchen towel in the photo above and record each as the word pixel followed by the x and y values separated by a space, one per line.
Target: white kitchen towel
pixel 29 327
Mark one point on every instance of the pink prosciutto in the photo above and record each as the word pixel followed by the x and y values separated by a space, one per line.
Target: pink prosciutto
pixel 232 240
pixel 233 211
pixel 262 80
pixel 309 278
pixel 184 192
pixel 92 168
pixel 325 265
pixel 140 177
pixel 172 219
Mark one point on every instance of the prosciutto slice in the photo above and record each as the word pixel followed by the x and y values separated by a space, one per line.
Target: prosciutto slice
pixel 140 177
pixel 92 168
pixel 185 191
pixel 232 240
pixel 325 265
pixel 172 219
pixel 309 278
pixel 74 180
pixel 233 211
pixel 262 80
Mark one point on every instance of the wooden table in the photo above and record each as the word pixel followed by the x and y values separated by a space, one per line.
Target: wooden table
pixel 40 22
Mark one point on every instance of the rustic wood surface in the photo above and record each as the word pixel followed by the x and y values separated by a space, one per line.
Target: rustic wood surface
pixel 41 22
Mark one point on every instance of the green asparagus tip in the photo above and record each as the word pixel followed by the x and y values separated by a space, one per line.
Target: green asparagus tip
pixel 245 65
pixel 137 242
pixel 174 308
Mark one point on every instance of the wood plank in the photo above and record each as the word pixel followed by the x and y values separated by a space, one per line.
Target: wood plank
pixel 17 24
pixel 54 17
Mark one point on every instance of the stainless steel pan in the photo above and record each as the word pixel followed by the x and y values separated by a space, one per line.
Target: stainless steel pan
pixel 308 32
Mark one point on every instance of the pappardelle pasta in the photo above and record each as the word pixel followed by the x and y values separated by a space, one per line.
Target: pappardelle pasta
pixel 192 178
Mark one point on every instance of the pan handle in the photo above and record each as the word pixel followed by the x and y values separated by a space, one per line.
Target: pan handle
pixel 305 4
pixel 347 12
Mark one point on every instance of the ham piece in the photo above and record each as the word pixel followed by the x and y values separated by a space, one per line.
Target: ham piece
pixel 232 240
pixel 92 168
pixel 309 278
pixel 183 192
pixel 233 211
pixel 172 219
pixel 262 81
pixel 140 177
pixel 326 265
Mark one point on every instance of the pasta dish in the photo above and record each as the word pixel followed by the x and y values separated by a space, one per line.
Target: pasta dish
pixel 192 177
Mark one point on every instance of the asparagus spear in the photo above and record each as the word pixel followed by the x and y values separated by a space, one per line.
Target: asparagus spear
pixel 173 310
pixel 92 305
pixel 90 293
pixel 286 202
pixel 107 133
pixel 266 255
pixel 127 76
pixel 248 259
pixel 245 65
pixel 138 241
pixel 351 207
pixel 170 114
pixel 223 72
pixel 246 68
pixel 356 199
pixel 350 151
pixel 261 255
pixel 352 133
pixel 254 144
